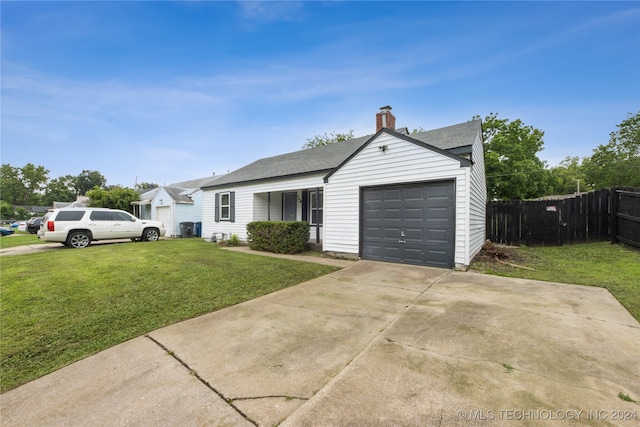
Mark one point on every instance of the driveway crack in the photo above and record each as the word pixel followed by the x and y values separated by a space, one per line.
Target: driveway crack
pixel 202 380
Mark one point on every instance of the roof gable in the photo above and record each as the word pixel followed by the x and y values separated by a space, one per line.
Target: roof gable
pixel 463 161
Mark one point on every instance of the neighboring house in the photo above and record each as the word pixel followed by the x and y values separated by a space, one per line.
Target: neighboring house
pixel 392 196
pixel 174 205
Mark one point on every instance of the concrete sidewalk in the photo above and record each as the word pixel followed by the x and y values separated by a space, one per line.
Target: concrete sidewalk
pixel 371 344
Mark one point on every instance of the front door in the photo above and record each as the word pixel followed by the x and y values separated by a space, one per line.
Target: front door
pixel 290 206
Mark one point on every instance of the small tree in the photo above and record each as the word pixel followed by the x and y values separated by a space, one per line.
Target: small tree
pixel 327 138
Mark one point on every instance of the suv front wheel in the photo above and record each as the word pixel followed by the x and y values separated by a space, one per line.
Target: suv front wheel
pixel 79 239
pixel 150 235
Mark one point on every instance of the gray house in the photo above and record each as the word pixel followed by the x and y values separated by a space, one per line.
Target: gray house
pixel 391 196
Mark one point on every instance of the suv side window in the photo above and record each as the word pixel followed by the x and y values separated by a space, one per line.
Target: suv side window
pixel 120 216
pixel 99 216
pixel 70 215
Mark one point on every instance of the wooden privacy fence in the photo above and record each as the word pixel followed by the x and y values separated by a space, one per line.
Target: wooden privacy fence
pixel 625 223
pixel 587 217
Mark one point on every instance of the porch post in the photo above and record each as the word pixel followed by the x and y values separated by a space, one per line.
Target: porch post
pixel 318 215
pixel 269 206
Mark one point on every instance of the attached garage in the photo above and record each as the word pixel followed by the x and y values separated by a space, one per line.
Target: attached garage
pixel 395 196
pixel 411 223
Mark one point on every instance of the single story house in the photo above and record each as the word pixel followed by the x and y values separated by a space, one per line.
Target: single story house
pixel 392 196
pixel 176 206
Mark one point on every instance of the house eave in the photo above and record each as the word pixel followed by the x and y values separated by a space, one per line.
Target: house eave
pixel 268 179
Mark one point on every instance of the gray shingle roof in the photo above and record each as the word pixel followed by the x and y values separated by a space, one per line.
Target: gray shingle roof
pixel 327 157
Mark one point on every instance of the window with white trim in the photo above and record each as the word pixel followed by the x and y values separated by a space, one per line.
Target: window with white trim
pixel 225 206
pixel 316 208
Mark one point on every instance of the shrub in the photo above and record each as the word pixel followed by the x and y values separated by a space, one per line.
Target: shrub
pixel 281 237
pixel 234 240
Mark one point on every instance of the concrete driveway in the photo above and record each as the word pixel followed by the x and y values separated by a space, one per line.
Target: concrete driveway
pixel 372 344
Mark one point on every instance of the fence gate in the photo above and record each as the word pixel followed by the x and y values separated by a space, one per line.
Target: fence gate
pixel 595 216
pixel 625 222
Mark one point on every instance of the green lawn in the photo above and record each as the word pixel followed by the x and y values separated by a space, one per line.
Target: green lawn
pixel 19 238
pixel 58 307
pixel 614 267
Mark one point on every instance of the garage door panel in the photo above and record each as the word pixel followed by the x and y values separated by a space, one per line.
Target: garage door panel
pixel 414 194
pixel 438 192
pixel 391 214
pixel 417 225
pixel 414 214
pixel 391 196
pixel 374 214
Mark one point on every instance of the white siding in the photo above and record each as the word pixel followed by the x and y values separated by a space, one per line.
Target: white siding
pixel 246 204
pixel 401 162
pixel 477 200
pixel 168 212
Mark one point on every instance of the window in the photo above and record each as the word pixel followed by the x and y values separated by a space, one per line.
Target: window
pixel 225 206
pixel 69 215
pixel 99 216
pixel 316 208
pixel 121 216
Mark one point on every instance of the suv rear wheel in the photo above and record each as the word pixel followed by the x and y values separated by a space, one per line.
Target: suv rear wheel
pixel 79 239
pixel 150 235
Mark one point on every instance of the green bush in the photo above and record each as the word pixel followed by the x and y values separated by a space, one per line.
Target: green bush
pixel 234 240
pixel 281 237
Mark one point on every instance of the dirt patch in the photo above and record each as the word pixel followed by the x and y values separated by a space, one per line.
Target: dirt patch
pixel 495 257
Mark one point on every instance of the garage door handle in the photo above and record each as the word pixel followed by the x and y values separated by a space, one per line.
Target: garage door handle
pixel 402 241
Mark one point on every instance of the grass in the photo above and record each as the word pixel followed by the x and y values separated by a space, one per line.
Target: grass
pixel 61 306
pixel 614 267
pixel 20 238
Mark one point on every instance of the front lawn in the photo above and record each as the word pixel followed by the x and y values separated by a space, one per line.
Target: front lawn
pixel 61 306
pixel 20 238
pixel 614 267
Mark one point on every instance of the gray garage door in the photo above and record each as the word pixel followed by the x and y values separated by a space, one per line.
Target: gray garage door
pixel 412 224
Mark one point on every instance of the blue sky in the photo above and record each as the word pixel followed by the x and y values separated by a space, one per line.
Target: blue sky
pixel 170 91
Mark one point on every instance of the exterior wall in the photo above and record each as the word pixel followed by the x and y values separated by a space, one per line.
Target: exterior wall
pixel 179 212
pixel 477 200
pixel 401 162
pixel 187 212
pixel 250 203
pixel 166 201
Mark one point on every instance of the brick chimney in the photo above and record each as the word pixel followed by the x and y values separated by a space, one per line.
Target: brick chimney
pixel 384 119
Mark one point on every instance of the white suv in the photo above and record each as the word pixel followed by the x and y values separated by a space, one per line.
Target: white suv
pixel 78 227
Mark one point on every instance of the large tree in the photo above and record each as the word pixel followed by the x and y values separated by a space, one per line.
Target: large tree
pixel 60 189
pixel 513 168
pixel 22 186
pixel 617 164
pixel 115 197
pixel 569 177
pixel 88 180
